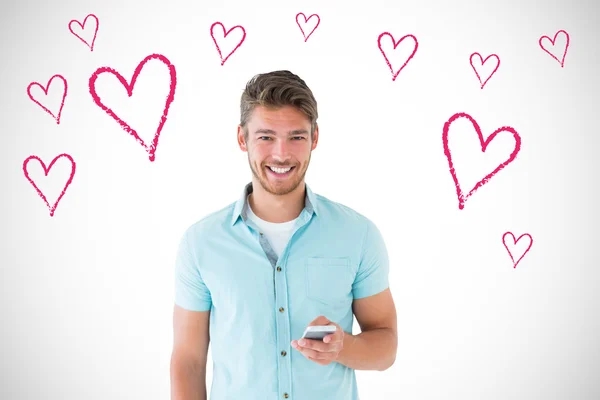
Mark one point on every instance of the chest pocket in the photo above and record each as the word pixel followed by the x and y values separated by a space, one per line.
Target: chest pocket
pixel 328 279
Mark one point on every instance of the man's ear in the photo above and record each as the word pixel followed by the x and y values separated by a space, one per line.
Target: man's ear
pixel 240 138
pixel 316 137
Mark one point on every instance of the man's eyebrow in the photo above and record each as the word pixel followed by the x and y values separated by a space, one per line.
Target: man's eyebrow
pixel 290 133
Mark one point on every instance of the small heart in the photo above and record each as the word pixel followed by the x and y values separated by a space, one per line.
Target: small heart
pixel 462 198
pixel 45 90
pixel 225 36
pixel 409 46
pixel 553 44
pixel 82 29
pixel 151 149
pixel 514 243
pixel 481 64
pixel 46 171
pixel 305 23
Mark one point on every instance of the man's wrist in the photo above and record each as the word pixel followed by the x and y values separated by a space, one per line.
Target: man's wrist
pixel 348 341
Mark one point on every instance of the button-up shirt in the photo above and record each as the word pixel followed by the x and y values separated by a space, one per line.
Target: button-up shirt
pixel 259 302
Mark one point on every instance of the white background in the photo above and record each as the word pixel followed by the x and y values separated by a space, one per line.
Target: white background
pixel 87 295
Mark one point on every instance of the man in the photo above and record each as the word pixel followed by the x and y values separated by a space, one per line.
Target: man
pixel 253 275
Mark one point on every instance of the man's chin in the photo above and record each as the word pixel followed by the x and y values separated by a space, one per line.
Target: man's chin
pixel 279 188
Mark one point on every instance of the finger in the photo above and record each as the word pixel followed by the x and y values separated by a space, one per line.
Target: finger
pixel 319 345
pixel 317 355
pixel 326 348
pixel 310 343
pixel 333 338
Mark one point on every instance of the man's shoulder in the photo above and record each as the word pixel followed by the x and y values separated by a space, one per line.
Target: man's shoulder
pixel 341 212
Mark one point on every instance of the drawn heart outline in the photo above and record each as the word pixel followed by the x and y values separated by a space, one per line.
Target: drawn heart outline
pixel 482 63
pixel 82 26
pixel 515 241
pixel 225 35
pixel 46 171
pixel 396 43
pixel 553 41
pixel 45 89
pixel 484 143
pixel 129 87
pixel 305 22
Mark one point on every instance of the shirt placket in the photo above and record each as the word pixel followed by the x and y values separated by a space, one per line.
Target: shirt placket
pixel 282 320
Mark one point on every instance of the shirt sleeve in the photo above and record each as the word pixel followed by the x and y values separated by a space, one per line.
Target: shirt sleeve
pixel 190 291
pixel 373 269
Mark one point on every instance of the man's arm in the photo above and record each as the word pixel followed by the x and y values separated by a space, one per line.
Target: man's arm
pixel 191 318
pixel 375 347
pixel 189 355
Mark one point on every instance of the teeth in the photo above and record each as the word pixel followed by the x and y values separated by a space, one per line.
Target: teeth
pixel 280 170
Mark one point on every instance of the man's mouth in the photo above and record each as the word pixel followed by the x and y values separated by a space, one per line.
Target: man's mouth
pixel 280 172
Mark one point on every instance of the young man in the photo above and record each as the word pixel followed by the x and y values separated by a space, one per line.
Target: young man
pixel 253 275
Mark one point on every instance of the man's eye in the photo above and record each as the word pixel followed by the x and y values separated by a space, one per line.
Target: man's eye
pixel 268 137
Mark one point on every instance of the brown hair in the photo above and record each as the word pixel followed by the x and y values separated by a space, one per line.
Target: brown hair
pixel 277 89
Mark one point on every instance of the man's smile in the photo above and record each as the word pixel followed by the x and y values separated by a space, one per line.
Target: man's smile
pixel 280 172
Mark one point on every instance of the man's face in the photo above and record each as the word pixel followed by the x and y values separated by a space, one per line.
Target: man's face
pixel 278 138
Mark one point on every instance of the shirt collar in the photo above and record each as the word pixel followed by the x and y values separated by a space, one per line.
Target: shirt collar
pixel 241 206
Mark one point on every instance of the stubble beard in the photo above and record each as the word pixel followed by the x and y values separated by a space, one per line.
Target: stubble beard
pixel 283 187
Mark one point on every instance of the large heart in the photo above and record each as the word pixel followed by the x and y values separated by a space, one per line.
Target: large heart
pixel 462 198
pixel 151 149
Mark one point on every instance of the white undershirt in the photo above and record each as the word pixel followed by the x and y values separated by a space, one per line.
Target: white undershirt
pixel 278 234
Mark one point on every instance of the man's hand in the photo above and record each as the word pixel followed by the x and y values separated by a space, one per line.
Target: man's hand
pixel 321 352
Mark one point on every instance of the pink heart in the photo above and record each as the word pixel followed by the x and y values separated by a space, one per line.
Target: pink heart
pixel 225 35
pixel 461 197
pixel 416 45
pixel 552 41
pixel 45 89
pixel 514 244
pixel 305 22
pixel 82 27
pixel 481 63
pixel 129 87
pixel 46 170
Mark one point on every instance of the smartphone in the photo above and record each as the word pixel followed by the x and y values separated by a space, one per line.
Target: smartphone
pixel 318 332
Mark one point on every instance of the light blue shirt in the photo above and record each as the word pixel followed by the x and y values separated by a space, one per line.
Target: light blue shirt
pixel 258 304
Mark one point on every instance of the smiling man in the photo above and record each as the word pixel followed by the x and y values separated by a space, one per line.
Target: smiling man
pixel 249 278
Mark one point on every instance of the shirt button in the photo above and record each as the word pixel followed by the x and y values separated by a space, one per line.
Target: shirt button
pixel 280 309
pixel 261 233
pixel 285 396
pixel 283 353
pixel 278 269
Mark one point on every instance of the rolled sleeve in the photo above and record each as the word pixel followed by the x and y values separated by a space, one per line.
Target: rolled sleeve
pixel 373 270
pixel 191 292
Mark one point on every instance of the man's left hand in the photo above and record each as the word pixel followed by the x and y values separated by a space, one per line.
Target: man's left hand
pixel 325 351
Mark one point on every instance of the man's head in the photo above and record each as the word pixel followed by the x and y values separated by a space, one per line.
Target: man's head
pixel 278 128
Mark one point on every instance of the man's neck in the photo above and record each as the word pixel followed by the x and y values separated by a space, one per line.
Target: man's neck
pixel 277 209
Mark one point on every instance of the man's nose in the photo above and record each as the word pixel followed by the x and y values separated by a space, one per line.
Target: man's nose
pixel 281 150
